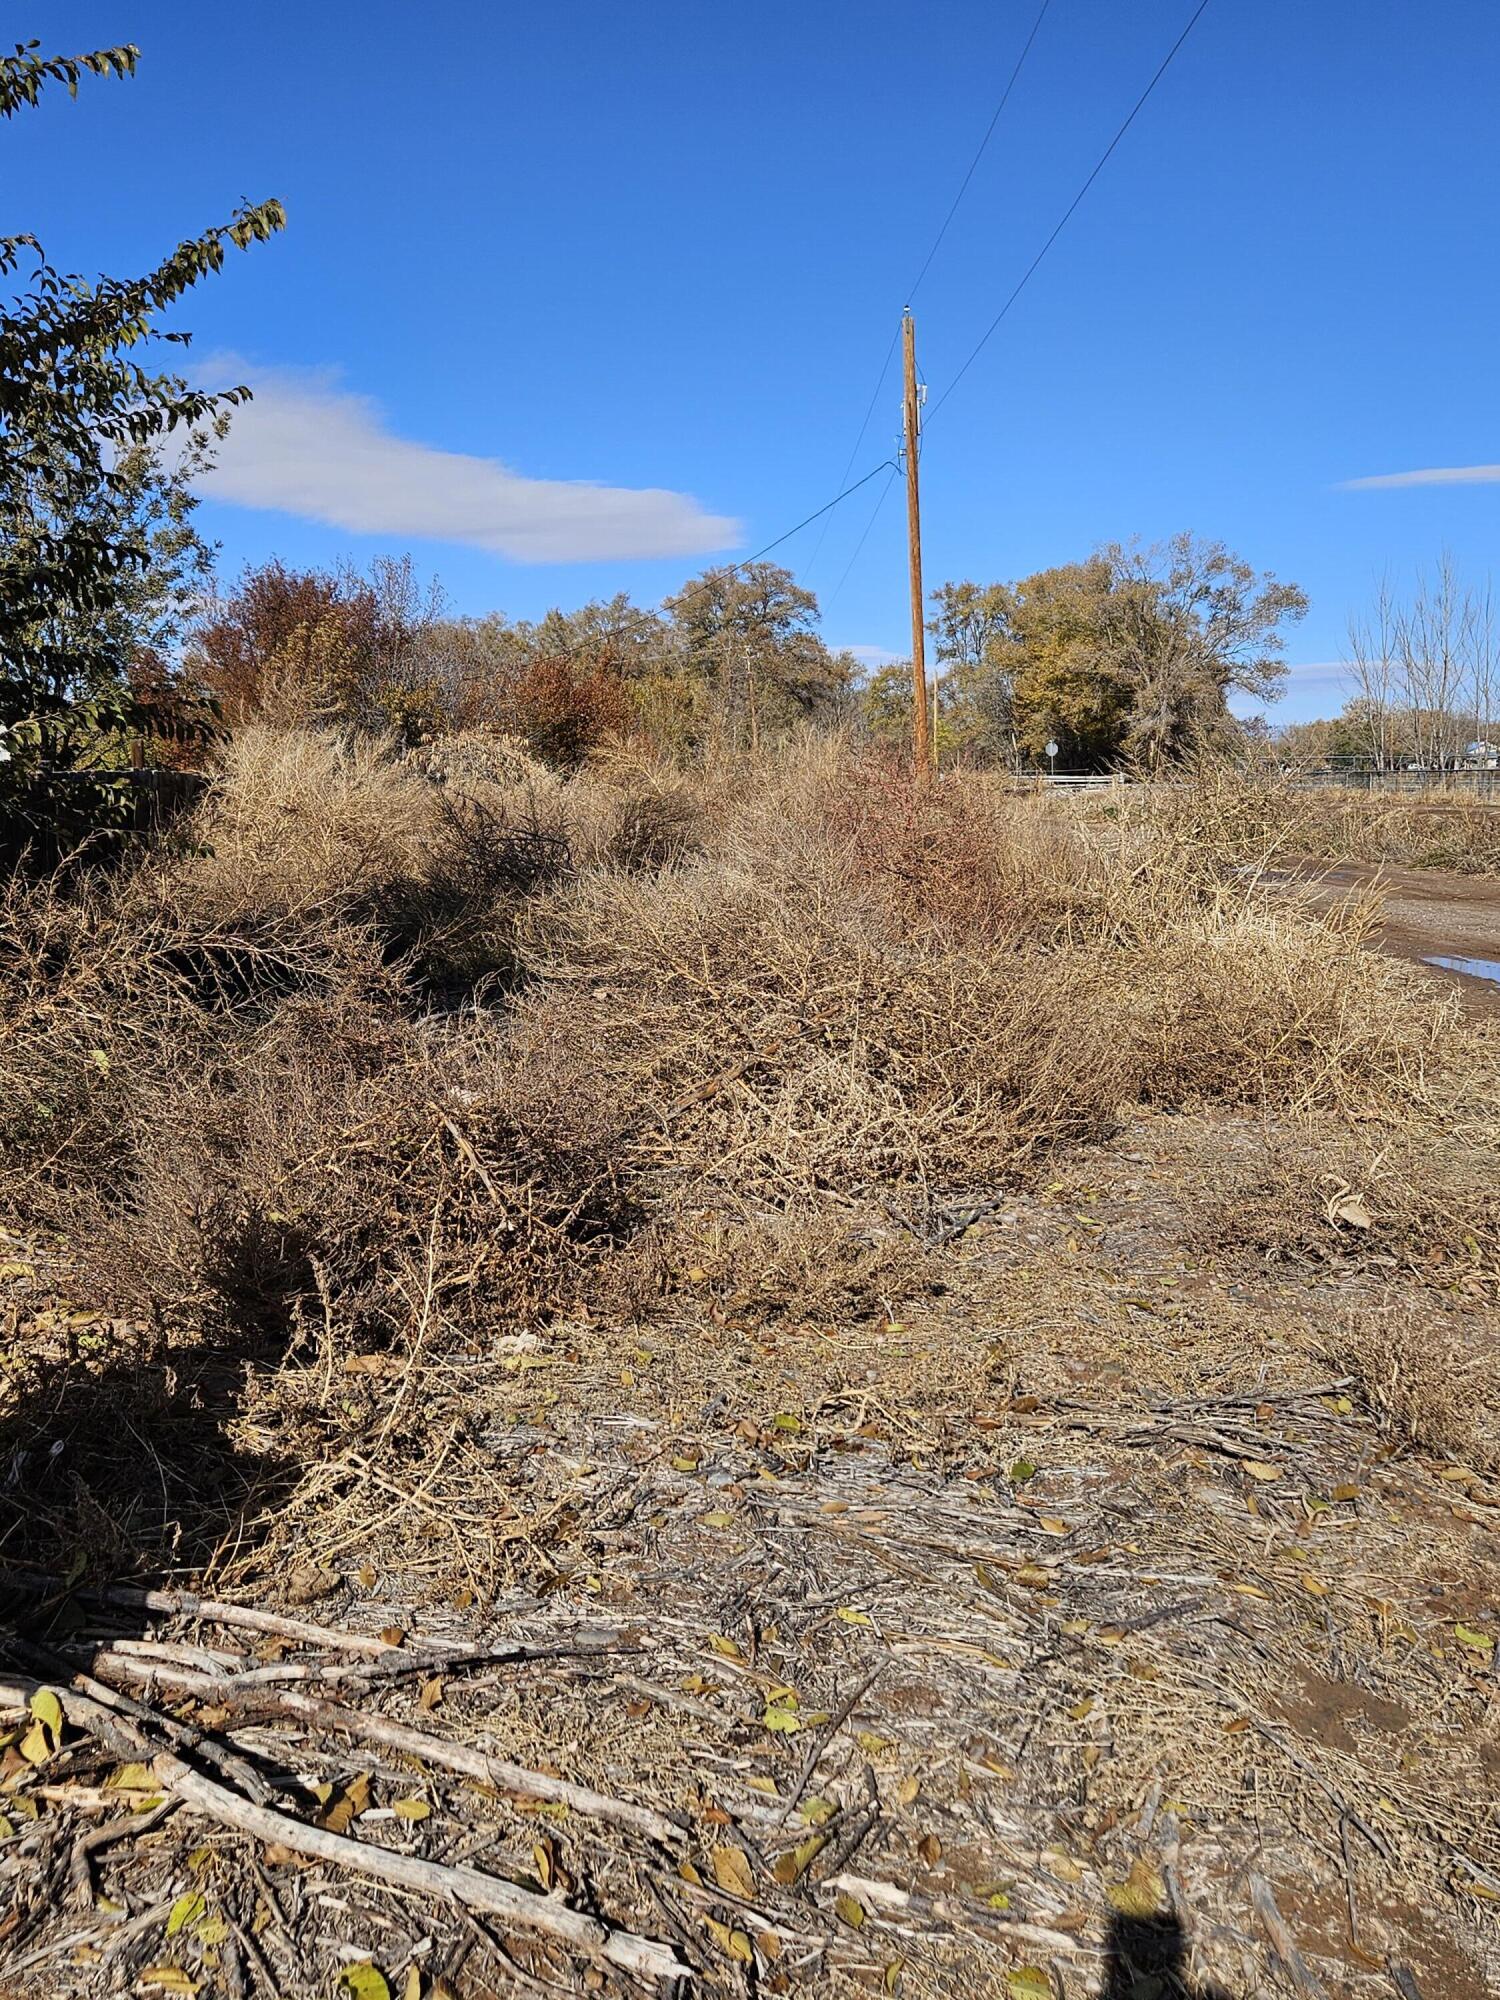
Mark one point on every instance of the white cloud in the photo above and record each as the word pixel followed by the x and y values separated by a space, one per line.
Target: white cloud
pixel 871 656
pixel 1431 475
pixel 310 447
pixel 1318 670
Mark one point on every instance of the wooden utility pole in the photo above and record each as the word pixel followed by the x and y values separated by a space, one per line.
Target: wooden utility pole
pixel 921 741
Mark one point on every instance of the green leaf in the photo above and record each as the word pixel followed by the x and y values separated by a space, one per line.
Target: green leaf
pixel 364 1982
pixel 186 1910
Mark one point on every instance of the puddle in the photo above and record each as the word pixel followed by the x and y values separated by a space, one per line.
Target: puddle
pixel 1475 968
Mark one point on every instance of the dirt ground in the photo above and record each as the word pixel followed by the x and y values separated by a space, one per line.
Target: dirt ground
pixel 1427 914
pixel 1078 1632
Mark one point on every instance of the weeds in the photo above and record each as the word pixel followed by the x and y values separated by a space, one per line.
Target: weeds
pixel 366 1069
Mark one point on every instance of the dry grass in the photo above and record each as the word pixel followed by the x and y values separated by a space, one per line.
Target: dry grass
pixel 371 1064
pixel 730 1198
pixel 1256 814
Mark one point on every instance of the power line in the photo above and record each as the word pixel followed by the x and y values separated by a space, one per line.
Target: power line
pixel 808 519
pixel 880 501
pixel 984 142
pixel 1099 166
pixel 859 440
pixel 933 248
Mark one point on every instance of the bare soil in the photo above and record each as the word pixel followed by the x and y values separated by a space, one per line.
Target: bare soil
pixel 1426 914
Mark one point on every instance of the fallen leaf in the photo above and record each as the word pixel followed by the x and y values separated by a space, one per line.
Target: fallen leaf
pixel 726 1648
pixel 1259 1468
pixel 794 1864
pixel 186 1910
pixel 431 1695
pixel 1142 1894
pixel 718 1519
pixel 1028 1982
pixel 780 1720
pixel 733 1943
pixel 849 1616
pixel 394 1635
pixel 165 1979
pixel 1477 1642
pixel 340 1812
pixel 364 1982
pixel 412 1809
pixel 848 1910
pixel 731 1866
pixel 46 1710
pixel 130 1778
pixel 931 1849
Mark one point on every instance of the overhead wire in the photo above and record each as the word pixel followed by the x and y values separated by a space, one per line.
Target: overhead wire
pixel 808 519
pixel 1068 213
pixel 933 247
pixel 880 500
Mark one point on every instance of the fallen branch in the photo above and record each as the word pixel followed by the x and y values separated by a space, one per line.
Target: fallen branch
pixel 1297 1969
pixel 888 1897
pixel 586 1936
pixel 461 1757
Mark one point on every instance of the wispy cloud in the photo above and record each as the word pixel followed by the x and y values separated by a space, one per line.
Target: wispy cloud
pixel 871 656
pixel 1430 475
pixel 308 446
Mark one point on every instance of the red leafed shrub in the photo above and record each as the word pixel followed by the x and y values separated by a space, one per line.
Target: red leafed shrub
pixel 566 708
pixel 936 852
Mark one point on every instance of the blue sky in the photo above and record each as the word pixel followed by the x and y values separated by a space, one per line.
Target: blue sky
pixel 651 257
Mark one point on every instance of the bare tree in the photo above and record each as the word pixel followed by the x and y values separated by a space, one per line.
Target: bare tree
pixel 1423 669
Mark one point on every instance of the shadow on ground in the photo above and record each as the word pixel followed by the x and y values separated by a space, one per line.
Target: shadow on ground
pixel 1147 1960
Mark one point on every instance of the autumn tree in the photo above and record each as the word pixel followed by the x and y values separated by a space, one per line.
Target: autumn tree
pixel 749 632
pixel 1131 654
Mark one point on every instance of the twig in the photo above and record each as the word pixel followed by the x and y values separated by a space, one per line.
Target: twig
pixel 825 1736
pixel 461 1757
pixel 584 1935
pixel 242 1617
pixel 1285 1945
pixel 889 1897
pixel 125 1826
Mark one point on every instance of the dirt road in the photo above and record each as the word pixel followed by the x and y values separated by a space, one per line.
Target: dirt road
pixel 1429 916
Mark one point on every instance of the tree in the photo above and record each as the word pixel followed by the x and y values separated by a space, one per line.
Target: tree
pixel 975 639
pixel 748 631
pixel 89 506
pixel 328 646
pixel 1132 653
pixel 1424 669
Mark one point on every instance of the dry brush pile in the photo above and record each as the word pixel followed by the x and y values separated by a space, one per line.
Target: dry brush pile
pixel 376 1062
pixel 578 1221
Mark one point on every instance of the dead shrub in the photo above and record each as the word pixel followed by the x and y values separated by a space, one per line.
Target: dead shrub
pixel 1430 1377
pixel 957 853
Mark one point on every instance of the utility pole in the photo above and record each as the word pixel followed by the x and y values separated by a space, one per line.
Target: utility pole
pixel 921 743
